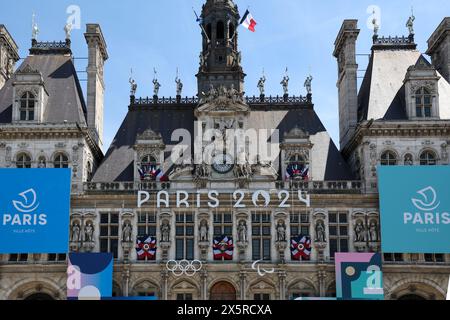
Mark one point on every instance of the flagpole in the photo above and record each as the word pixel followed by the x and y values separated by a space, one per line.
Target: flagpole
pixel 201 24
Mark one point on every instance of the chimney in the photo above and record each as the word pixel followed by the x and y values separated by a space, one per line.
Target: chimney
pixel 345 52
pixel 95 86
pixel 439 48
pixel 8 55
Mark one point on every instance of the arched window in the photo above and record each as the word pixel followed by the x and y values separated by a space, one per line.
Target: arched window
pixel 61 161
pixel 388 158
pixel 27 104
pixel 89 171
pixel 220 30
pixel 23 161
pixel 231 31
pixel 423 103
pixel 428 158
pixel 208 30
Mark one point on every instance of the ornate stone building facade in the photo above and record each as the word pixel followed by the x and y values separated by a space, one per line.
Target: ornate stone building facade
pixel 396 118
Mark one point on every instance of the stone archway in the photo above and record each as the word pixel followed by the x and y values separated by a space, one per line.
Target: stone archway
pixel 412 297
pixel 39 297
pixel 222 290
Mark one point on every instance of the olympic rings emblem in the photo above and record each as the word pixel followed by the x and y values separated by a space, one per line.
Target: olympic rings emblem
pixel 184 267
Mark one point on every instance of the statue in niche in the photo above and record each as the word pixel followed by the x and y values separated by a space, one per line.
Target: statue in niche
pixel 373 231
pixel 320 231
pixel 242 231
pixel 127 230
pixel 203 231
pixel 281 231
pixel 76 229
pixel 89 232
pixel 360 232
pixel 165 231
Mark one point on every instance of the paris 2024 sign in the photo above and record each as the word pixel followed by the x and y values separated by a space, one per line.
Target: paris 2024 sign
pixel 415 208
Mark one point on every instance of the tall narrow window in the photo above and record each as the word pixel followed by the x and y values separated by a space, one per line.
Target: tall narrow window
pixel 184 236
pixel 61 161
pixel 434 257
pixel 428 158
pixel 109 233
pixel 338 231
pixel 23 161
pixel 299 223
pixel 388 158
pixel 223 224
pixel 423 103
pixel 261 235
pixel 220 30
pixel 27 104
pixel 147 224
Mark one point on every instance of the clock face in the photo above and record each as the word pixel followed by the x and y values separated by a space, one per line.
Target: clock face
pixel 223 163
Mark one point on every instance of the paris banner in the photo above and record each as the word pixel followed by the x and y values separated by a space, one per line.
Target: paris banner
pixel 359 276
pixel 89 276
pixel 34 210
pixel 415 208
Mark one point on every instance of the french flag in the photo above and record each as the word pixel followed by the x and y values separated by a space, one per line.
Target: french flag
pixel 248 21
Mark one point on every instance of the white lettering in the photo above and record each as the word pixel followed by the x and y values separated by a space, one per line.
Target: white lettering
pixel 143 197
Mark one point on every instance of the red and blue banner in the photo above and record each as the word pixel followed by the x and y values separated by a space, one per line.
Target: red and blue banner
pixel 223 248
pixel 146 248
pixel 301 248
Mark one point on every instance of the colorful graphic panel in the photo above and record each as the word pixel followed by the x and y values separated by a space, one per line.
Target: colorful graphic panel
pixel 89 276
pixel 415 209
pixel 34 210
pixel 359 276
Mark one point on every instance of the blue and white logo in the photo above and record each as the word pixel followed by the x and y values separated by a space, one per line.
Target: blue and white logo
pixel 34 210
pixel 415 209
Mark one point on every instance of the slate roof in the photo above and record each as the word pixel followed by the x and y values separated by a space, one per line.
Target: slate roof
pixel 65 97
pixel 382 92
pixel 118 164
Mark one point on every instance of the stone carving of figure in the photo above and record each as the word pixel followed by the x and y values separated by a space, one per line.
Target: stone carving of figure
pixel 281 231
pixel 75 232
pixel 41 164
pixel 242 231
pixel 165 231
pixel 204 231
pixel 179 86
pixel 156 86
pixel 233 94
pixel 408 160
pixel 68 30
pixel 373 232
pixel 133 87
pixel 261 85
pixel 202 171
pixel 89 232
pixel 410 24
pixel 285 84
pixel 320 231
pixel 360 232
pixel 126 232
pixel 307 84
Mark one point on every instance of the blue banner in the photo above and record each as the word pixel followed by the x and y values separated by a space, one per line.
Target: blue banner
pixel 34 210
pixel 415 209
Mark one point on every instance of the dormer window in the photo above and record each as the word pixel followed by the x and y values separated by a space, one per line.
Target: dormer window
pixel 423 103
pixel 298 168
pixel 27 106
pixel 149 169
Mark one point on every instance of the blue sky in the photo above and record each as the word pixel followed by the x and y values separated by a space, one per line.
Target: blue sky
pixel 143 34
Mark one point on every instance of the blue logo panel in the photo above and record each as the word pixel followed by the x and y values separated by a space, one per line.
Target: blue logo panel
pixel 34 210
pixel 415 209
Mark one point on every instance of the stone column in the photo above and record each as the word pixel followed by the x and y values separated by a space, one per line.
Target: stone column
pixel 282 282
pixel 164 285
pixel 322 276
pixel 204 285
pixel 125 281
pixel 243 284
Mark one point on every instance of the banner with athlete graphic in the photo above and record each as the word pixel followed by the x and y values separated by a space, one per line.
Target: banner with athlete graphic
pixel 34 210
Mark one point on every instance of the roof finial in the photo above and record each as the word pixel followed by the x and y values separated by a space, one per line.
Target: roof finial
pixel 34 28
pixel 410 22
